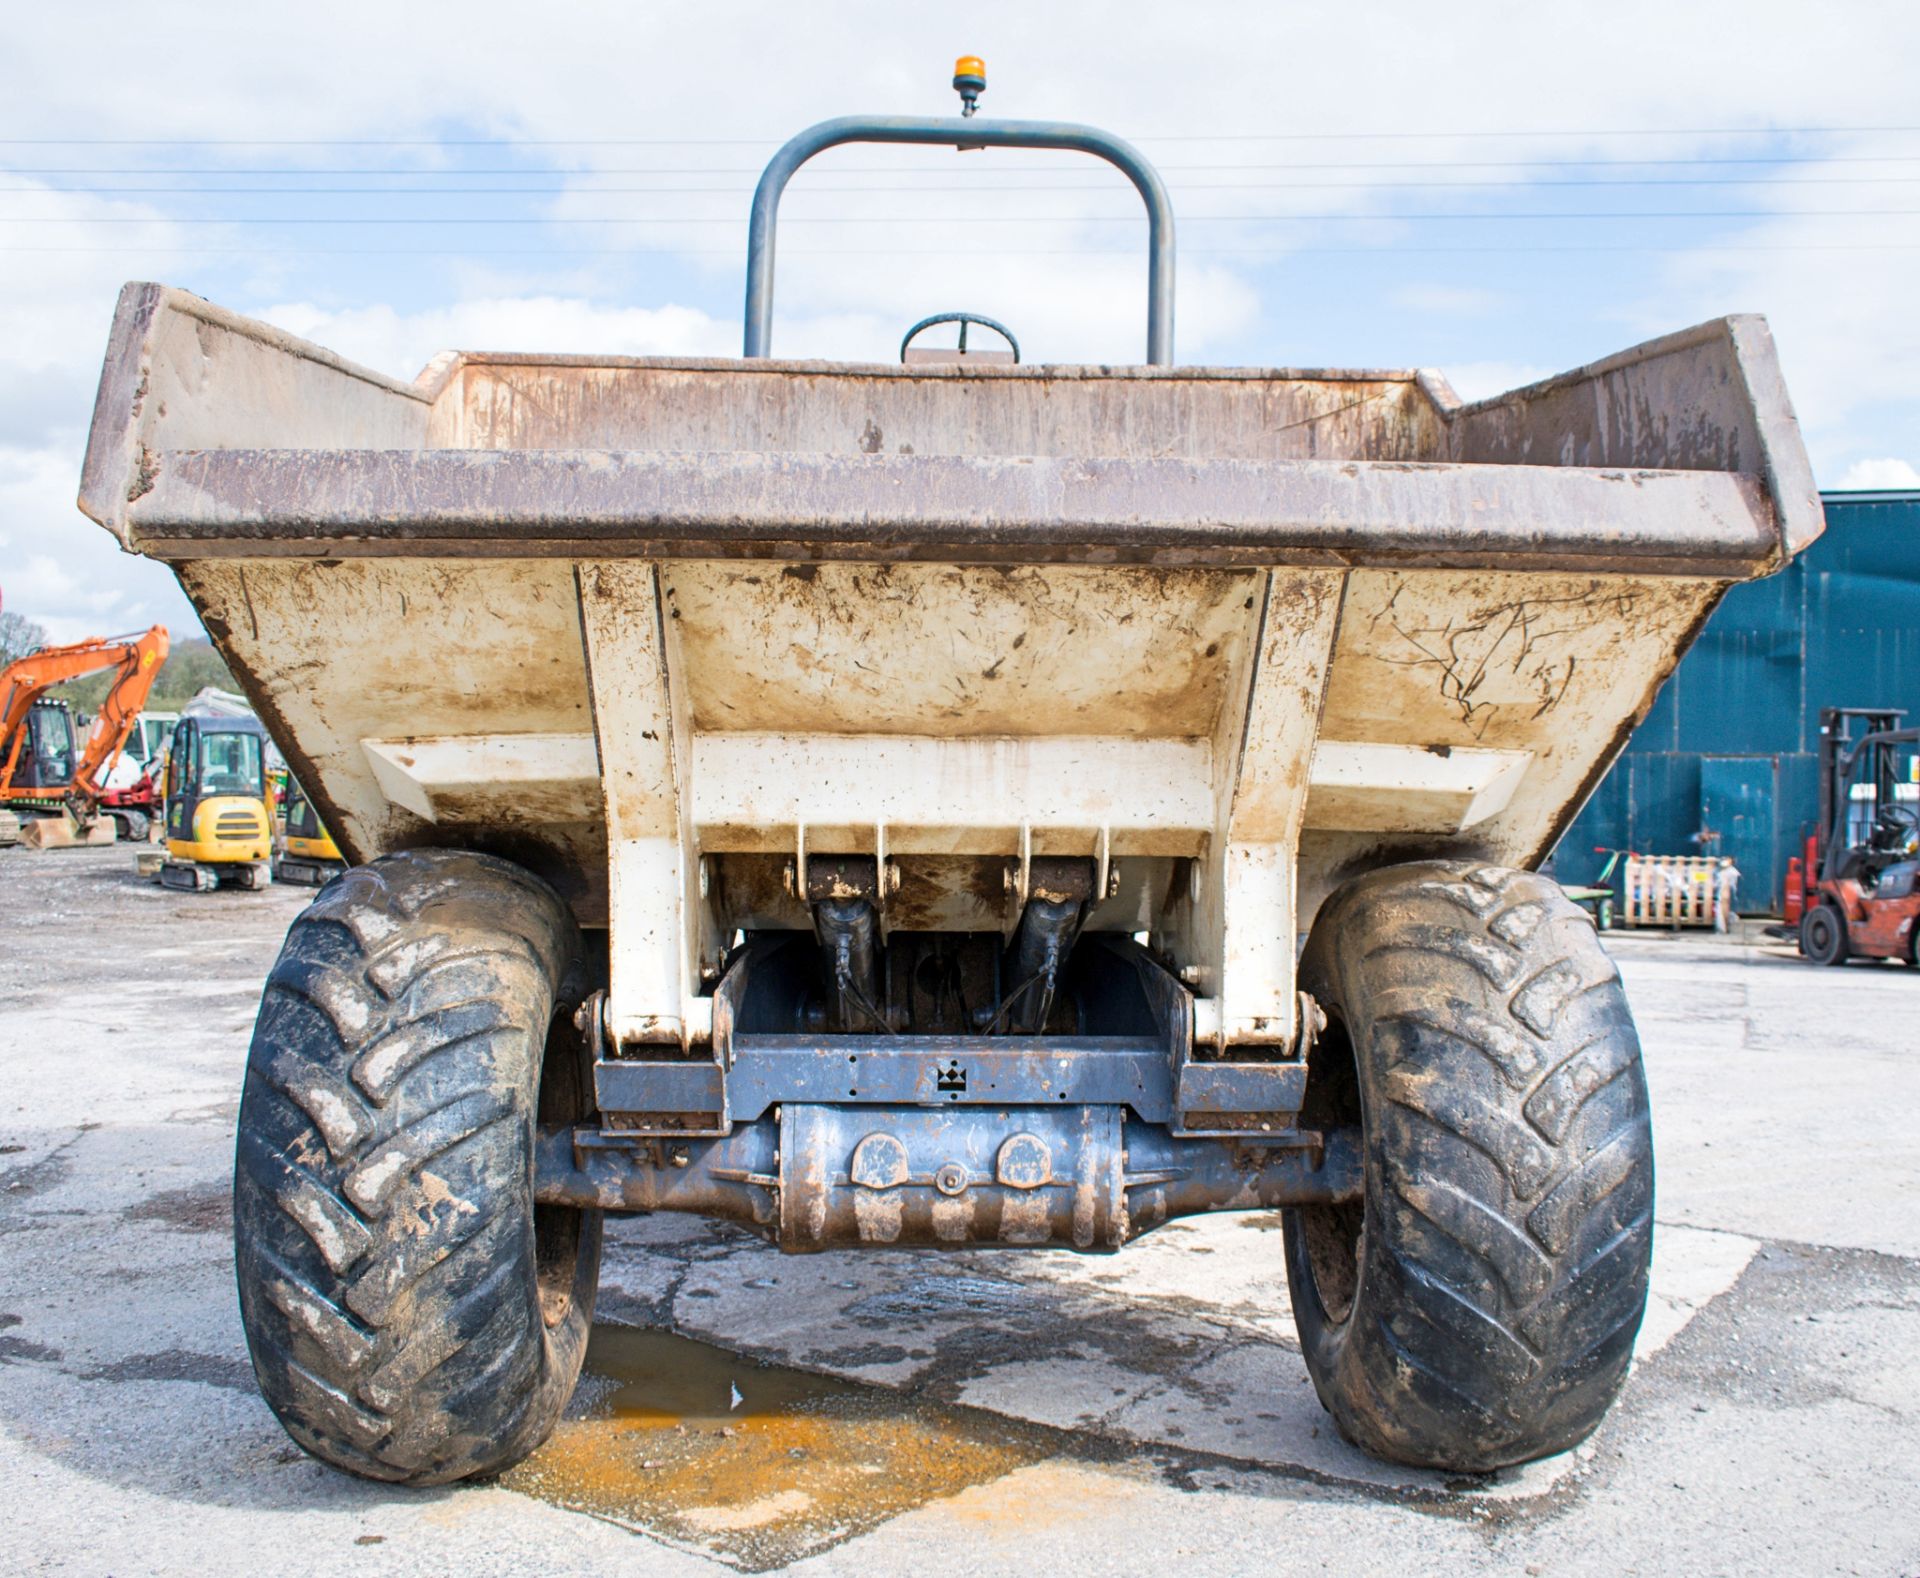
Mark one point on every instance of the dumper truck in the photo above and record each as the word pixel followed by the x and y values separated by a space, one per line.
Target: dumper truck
pixel 959 804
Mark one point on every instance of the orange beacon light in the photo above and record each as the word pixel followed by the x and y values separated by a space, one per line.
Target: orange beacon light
pixel 969 81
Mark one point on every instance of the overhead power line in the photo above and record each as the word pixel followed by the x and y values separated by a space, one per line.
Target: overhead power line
pixel 1014 168
pixel 1318 135
pixel 931 186
pixel 1385 250
pixel 1473 216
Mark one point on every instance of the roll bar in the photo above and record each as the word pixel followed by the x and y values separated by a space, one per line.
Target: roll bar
pixel 960 133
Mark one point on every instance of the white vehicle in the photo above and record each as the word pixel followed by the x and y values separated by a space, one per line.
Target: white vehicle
pixel 143 754
pixel 212 702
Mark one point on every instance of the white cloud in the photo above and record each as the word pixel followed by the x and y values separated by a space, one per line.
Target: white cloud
pixel 1085 310
pixel 62 571
pixel 56 567
pixel 61 269
pixel 401 343
pixel 60 272
pixel 1453 301
pixel 1482 380
pixel 1868 475
pixel 731 68
pixel 609 89
pixel 1061 309
pixel 43 579
pixel 1833 272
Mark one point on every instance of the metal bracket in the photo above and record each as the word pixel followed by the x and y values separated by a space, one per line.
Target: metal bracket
pixel 661 926
pixel 1155 1075
pixel 959 133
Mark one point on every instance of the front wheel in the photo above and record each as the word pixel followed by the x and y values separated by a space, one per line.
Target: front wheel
pixel 412 1315
pixel 1823 935
pixel 1477 1308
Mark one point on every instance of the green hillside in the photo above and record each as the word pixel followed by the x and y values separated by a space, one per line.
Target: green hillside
pixel 191 666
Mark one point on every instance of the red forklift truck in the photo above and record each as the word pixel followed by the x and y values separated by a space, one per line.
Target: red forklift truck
pixel 1862 898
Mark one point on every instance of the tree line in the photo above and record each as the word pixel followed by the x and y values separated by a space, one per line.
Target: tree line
pixel 191 666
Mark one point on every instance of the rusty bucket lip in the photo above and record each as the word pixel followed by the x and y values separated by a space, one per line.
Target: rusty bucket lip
pixel 286 485
pixel 441 370
pixel 340 503
pixel 122 471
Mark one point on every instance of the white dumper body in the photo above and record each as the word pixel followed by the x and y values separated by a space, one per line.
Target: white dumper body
pixel 1232 633
pixel 942 804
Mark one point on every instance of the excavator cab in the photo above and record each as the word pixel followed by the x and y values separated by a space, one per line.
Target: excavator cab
pixel 308 852
pixel 35 758
pixel 46 747
pixel 218 828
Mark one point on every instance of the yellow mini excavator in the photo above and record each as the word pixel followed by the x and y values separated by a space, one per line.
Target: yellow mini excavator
pixel 308 853
pixel 218 826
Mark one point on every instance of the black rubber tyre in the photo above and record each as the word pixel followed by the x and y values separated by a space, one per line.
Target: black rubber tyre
pixel 1823 935
pixel 132 826
pixel 412 1315
pixel 1478 1308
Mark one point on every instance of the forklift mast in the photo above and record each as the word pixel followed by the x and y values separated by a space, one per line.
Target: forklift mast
pixel 1846 734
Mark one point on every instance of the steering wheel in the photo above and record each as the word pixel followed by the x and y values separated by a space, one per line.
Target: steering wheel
pixel 963 319
pixel 1896 827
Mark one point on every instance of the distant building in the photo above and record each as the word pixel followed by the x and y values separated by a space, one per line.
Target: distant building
pixel 1730 747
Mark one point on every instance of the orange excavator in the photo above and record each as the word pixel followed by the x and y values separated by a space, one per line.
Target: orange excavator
pixel 49 786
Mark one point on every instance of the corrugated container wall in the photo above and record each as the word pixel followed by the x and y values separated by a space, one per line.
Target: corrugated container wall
pixel 1732 743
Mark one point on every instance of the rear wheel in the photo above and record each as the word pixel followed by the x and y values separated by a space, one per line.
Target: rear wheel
pixel 1823 935
pixel 1478 1307
pixel 412 1315
pixel 132 825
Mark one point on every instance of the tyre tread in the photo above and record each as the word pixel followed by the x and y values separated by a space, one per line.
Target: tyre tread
pixel 1507 1130
pixel 384 1238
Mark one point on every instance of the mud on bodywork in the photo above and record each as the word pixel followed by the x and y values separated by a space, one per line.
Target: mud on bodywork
pixel 941 614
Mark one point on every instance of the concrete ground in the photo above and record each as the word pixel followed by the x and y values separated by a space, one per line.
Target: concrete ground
pixel 994 1413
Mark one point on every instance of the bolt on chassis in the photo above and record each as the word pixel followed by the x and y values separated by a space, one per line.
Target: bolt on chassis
pixel 958 803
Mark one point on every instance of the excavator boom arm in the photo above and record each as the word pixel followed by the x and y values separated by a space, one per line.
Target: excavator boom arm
pixel 22 683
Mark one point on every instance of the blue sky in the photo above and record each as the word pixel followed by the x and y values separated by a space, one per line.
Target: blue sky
pixel 1496 190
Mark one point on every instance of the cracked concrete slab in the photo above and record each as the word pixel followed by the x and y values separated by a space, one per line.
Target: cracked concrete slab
pixel 1770 1422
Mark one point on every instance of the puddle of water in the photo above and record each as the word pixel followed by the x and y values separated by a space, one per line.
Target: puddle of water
pixel 756 1465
